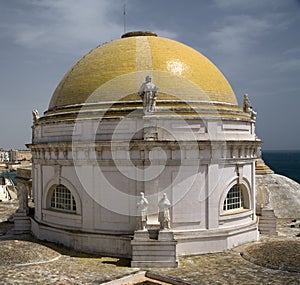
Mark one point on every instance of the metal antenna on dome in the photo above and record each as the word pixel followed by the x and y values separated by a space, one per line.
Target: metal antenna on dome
pixel 124 14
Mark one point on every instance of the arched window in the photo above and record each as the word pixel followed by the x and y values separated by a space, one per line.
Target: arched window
pixel 62 199
pixel 234 199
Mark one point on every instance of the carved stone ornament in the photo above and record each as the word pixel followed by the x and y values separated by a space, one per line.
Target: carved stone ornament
pixel 247 107
pixel 35 115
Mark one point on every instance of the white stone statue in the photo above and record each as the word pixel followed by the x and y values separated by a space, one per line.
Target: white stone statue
pixel 247 107
pixel 148 93
pixel 35 115
pixel 164 213
pixel 142 207
pixel 23 198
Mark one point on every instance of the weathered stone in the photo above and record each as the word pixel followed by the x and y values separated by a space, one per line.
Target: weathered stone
pixel 22 223
pixel 267 222
pixel 149 253
pixel 283 194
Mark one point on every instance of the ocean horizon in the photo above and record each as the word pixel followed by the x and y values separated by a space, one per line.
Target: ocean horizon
pixel 283 162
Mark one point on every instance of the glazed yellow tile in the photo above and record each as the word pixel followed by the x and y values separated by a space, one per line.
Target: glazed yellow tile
pixel 121 65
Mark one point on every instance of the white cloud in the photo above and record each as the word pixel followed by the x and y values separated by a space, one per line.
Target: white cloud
pixel 287 65
pixel 238 33
pixel 65 25
pixel 230 4
pixel 72 26
pixel 292 51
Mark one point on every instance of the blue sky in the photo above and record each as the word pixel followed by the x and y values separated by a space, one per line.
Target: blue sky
pixel 256 44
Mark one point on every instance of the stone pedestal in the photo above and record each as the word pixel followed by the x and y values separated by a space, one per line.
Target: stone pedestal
pixel 150 128
pixel 150 253
pixel 141 235
pixel 22 223
pixel 267 222
pixel 166 235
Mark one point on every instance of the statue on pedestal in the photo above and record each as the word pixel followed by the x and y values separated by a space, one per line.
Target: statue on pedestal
pixel 142 207
pixel 148 93
pixel 164 213
pixel 247 107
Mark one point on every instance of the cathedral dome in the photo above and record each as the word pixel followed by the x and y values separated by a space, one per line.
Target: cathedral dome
pixel 145 114
pixel 114 72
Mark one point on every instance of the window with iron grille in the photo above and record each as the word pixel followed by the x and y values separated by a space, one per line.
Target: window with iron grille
pixel 234 199
pixel 62 199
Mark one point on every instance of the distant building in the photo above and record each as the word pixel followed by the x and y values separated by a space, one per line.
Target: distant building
pixel 4 156
pixel 19 155
pixel 108 136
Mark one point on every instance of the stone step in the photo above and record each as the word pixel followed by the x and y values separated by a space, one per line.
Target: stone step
pixel 148 252
pixel 267 222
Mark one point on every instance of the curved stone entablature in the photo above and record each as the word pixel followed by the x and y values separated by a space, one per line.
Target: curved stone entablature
pixel 168 128
pixel 229 152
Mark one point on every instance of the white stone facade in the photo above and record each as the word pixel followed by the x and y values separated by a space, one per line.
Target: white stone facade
pixel 201 160
pixel 108 139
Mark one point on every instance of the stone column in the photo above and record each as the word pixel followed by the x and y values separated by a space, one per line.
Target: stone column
pixel 22 223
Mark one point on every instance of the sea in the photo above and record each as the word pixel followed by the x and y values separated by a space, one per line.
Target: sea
pixel 286 163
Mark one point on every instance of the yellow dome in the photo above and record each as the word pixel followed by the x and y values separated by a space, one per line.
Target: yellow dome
pixel 115 71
